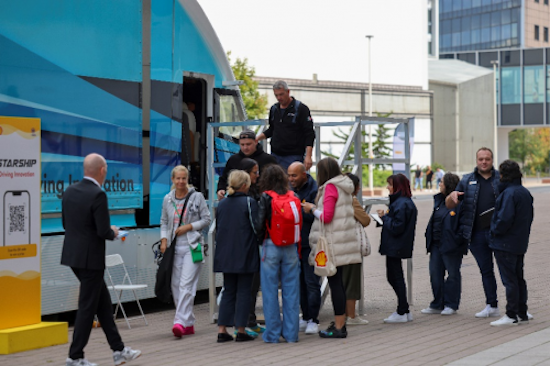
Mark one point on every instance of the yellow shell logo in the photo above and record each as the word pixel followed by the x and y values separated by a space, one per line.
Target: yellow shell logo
pixel 452 213
pixel 321 259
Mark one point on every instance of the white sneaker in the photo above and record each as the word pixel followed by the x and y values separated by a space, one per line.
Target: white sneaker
pixel 396 318
pixel 303 325
pixel 127 354
pixel 356 321
pixel 79 362
pixel 448 311
pixel 529 316
pixel 488 312
pixel 430 310
pixel 505 320
pixel 312 327
pixel 409 316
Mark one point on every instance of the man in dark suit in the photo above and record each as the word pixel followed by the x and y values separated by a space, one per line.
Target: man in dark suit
pixel 86 221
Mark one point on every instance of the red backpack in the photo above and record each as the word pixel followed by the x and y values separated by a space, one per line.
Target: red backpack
pixel 286 219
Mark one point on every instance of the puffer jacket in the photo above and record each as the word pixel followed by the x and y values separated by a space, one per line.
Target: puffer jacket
pixel 197 214
pixel 512 219
pixel 399 225
pixel 341 230
pixel 468 185
pixel 451 237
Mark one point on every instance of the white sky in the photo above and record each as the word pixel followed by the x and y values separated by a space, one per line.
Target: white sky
pixel 295 39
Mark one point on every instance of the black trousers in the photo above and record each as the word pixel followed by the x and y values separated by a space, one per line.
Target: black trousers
pixel 252 322
pixel 510 267
pixel 338 292
pixel 394 273
pixel 235 304
pixel 94 298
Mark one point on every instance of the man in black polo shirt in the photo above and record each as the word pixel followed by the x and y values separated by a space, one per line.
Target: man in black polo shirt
pixel 479 191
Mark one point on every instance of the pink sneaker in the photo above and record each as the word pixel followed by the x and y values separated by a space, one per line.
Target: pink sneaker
pixel 178 330
pixel 188 330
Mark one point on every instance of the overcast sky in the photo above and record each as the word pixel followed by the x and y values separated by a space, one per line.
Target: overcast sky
pixel 295 39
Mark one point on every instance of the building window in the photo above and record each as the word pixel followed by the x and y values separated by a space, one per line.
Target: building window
pixel 537 33
pixel 545 34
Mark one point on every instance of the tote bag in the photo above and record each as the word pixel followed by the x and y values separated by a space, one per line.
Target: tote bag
pixel 324 256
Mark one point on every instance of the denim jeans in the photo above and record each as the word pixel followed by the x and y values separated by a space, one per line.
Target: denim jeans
pixel 394 274
pixel 280 264
pixel 418 183
pixel 310 289
pixel 285 161
pixel 510 267
pixel 479 246
pixel 446 291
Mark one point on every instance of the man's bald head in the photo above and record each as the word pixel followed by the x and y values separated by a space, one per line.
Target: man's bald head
pixel 95 167
pixel 297 174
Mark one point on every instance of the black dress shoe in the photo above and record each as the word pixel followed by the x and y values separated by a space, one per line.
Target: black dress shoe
pixel 224 337
pixel 243 337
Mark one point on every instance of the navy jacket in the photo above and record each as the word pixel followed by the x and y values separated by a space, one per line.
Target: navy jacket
pixel 468 185
pixel 451 237
pixel 399 227
pixel 511 222
pixel 307 193
pixel 237 248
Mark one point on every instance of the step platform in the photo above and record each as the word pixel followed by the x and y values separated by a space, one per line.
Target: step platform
pixel 34 336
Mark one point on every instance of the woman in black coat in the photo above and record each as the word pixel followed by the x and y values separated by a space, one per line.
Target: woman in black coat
pixel 236 255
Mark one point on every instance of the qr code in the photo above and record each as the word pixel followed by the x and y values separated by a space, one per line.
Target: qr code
pixel 17 218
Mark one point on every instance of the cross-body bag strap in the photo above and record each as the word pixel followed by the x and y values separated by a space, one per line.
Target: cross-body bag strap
pixel 250 215
pixel 183 209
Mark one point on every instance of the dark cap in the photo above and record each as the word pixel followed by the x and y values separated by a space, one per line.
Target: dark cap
pixel 247 134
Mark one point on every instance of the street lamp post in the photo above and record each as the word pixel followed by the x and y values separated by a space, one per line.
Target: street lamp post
pixel 371 183
pixel 495 102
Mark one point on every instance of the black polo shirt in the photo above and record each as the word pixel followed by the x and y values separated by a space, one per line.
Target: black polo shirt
pixel 485 199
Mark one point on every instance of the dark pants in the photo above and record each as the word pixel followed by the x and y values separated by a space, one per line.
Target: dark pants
pixel 285 161
pixel 310 289
pixel 510 267
pixel 94 298
pixel 338 292
pixel 446 291
pixel 235 304
pixel 252 321
pixel 394 274
pixel 428 184
pixel 479 246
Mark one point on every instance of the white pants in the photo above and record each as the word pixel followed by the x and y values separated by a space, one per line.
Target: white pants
pixel 185 276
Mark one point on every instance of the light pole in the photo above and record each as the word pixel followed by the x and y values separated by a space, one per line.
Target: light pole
pixel 495 102
pixel 371 166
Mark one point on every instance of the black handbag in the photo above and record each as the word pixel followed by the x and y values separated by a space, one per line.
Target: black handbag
pixel 163 285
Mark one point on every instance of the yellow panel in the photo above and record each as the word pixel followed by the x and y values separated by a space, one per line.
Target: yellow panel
pixel 34 336
pixel 18 251
pixel 23 292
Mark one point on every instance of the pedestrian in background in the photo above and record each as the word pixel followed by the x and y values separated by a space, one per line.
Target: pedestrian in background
pixel 429 177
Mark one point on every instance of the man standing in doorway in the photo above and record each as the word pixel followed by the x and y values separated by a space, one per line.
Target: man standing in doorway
pixel 290 129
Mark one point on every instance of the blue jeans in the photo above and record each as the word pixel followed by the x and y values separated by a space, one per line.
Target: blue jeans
pixel 446 291
pixel 280 264
pixel 285 161
pixel 418 183
pixel 511 271
pixel 310 289
pixel 479 246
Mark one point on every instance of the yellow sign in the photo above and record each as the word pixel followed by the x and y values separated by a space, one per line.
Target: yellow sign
pixel 18 251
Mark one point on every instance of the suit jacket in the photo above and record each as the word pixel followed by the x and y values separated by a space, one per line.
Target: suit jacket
pixel 85 215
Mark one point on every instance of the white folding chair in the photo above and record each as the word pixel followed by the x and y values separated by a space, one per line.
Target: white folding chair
pixel 113 261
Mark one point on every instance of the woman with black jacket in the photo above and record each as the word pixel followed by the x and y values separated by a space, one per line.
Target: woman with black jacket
pixel 446 247
pixel 399 224
pixel 236 255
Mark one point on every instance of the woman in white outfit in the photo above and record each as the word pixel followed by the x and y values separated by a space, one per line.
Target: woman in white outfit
pixel 194 219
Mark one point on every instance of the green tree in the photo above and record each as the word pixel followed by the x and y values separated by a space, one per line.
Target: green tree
pixel 254 102
pixel 530 147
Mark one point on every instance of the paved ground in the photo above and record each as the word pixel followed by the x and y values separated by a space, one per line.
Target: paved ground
pixel 429 340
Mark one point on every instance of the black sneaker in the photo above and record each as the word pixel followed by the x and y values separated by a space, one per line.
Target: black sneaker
pixel 333 332
pixel 243 337
pixel 224 337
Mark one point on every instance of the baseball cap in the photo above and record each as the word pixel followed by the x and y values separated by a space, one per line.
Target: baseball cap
pixel 247 134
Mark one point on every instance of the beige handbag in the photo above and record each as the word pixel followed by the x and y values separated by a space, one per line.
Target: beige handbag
pixel 362 239
pixel 324 256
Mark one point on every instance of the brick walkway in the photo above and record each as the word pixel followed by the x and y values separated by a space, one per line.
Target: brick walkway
pixel 428 340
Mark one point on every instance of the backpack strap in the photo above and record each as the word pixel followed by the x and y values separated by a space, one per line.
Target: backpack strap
pixel 273 110
pixel 296 106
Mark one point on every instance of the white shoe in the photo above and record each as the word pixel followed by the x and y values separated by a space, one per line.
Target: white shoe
pixel 488 312
pixel 312 327
pixel 529 316
pixel 126 355
pixel 505 320
pixel 356 321
pixel 79 362
pixel 396 318
pixel 448 311
pixel 303 325
pixel 430 310
pixel 409 316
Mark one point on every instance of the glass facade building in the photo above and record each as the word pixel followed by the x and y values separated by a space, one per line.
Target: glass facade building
pixel 523 83
pixel 466 25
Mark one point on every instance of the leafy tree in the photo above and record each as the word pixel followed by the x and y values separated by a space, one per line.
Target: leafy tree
pixel 254 102
pixel 530 147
